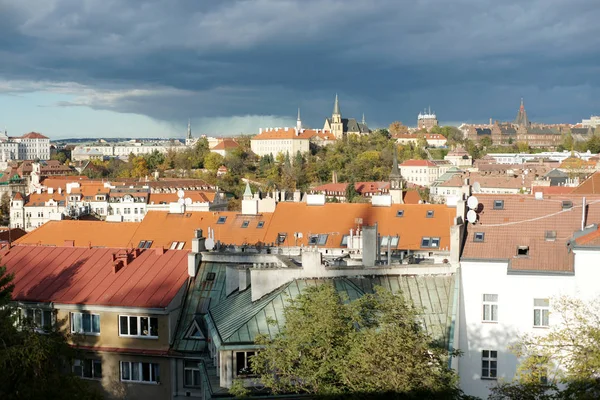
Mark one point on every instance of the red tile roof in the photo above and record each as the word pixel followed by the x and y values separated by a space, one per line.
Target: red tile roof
pixel 553 189
pixel 196 196
pixel 590 186
pixel 525 221
pixel 226 144
pixel 418 163
pixel 73 275
pixel 34 135
pixel 282 133
pixel 83 234
pixel 590 239
pixel 18 196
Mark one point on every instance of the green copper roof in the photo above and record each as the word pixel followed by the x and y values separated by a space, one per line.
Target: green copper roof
pixel 238 320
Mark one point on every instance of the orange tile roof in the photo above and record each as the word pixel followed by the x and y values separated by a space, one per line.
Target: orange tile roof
pixel 226 144
pixel 196 196
pixel 72 275
pixel 524 221
pixel 18 196
pixel 83 233
pixel 553 189
pixel 281 133
pixel 590 186
pixel 61 181
pixel 164 228
pixel 590 239
pixel 91 189
pixel 336 219
pixel 38 199
pixel 34 135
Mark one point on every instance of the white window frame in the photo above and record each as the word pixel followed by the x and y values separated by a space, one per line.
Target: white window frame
pixel 488 307
pixel 246 363
pixel 491 358
pixel 541 313
pixel 138 325
pixel 81 330
pixel 195 373
pixel 80 363
pixel 43 314
pixel 130 366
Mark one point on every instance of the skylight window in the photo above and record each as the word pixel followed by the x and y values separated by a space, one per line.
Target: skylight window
pixel 281 238
pixel 430 242
pixel 550 236
pixel 245 224
pixel 344 240
pixel 479 237
pixel 523 251
pixel 260 224
pixel 210 276
pixel 498 204
pixel 429 213
pixel 221 220
pixel 319 240
pixel 567 204
pixel 400 213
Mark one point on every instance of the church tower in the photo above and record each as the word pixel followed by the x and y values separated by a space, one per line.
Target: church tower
pixel 299 122
pixel 396 182
pixel 521 119
pixel 337 126
pixel 189 131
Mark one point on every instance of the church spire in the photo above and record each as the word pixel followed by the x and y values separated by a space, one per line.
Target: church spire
pixel 189 130
pixel 298 122
pixel 363 119
pixel 336 106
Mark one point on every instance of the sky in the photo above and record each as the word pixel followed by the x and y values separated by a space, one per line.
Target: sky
pixel 113 68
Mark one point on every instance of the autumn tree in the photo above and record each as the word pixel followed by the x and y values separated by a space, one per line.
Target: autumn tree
pixel 330 346
pixel 397 128
pixel 213 161
pixel 567 355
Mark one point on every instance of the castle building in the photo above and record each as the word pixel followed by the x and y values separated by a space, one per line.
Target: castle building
pixel 427 120
pixel 341 127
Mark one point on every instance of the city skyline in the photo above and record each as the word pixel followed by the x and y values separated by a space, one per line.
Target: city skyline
pixel 73 70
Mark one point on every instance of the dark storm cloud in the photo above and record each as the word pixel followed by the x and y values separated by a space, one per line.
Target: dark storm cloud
pixel 172 59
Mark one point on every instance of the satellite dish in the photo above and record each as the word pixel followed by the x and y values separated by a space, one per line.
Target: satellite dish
pixel 181 201
pixel 476 187
pixel 209 244
pixel 180 193
pixel 188 201
pixel 472 202
pixel 472 216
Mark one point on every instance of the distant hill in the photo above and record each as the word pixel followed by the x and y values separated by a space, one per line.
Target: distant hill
pixel 109 140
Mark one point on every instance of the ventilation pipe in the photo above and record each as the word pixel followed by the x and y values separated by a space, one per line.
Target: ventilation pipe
pixel 583 214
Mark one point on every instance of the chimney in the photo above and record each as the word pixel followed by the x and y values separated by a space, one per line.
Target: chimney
pixel 159 250
pixel 117 265
pixel 198 242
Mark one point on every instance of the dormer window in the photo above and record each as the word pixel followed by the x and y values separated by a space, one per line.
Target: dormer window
pixel 498 204
pixel 522 251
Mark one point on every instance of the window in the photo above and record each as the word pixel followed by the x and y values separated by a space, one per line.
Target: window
pixel 498 204
pixel 489 364
pixel 145 244
pixel 318 240
pixel 395 241
pixel 140 372
pixel 490 307
pixel 430 242
pixel 522 251
pixel 245 224
pixel 400 213
pixel 244 362
pixel 191 374
pixel 135 210
pixel 90 369
pixel 550 236
pixel 429 213
pixel 479 236
pixel 127 210
pixel 85 323
pixel 541 312
pixel 344 240
pixel 567 204
pixel 260 224
pixel 177 245
pixel 221 220
pixel 281 238
pixel 138 326
pixel 42 319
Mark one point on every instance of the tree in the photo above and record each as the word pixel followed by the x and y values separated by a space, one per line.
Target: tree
pixel 5 204
pixel 213 161
pixel 351 192
pixel 569 354
pixel 523 147
pixel 61 156
pixel 486 141
pixel 330 346
pixel 397 128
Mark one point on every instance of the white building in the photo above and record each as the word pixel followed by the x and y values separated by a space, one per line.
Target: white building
pixel 30 146
pixel 522 253
pixel 433 139
pixel 282 140
pixel 520 158
pixel 593 122
pixel 122 150
pixel 422 172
